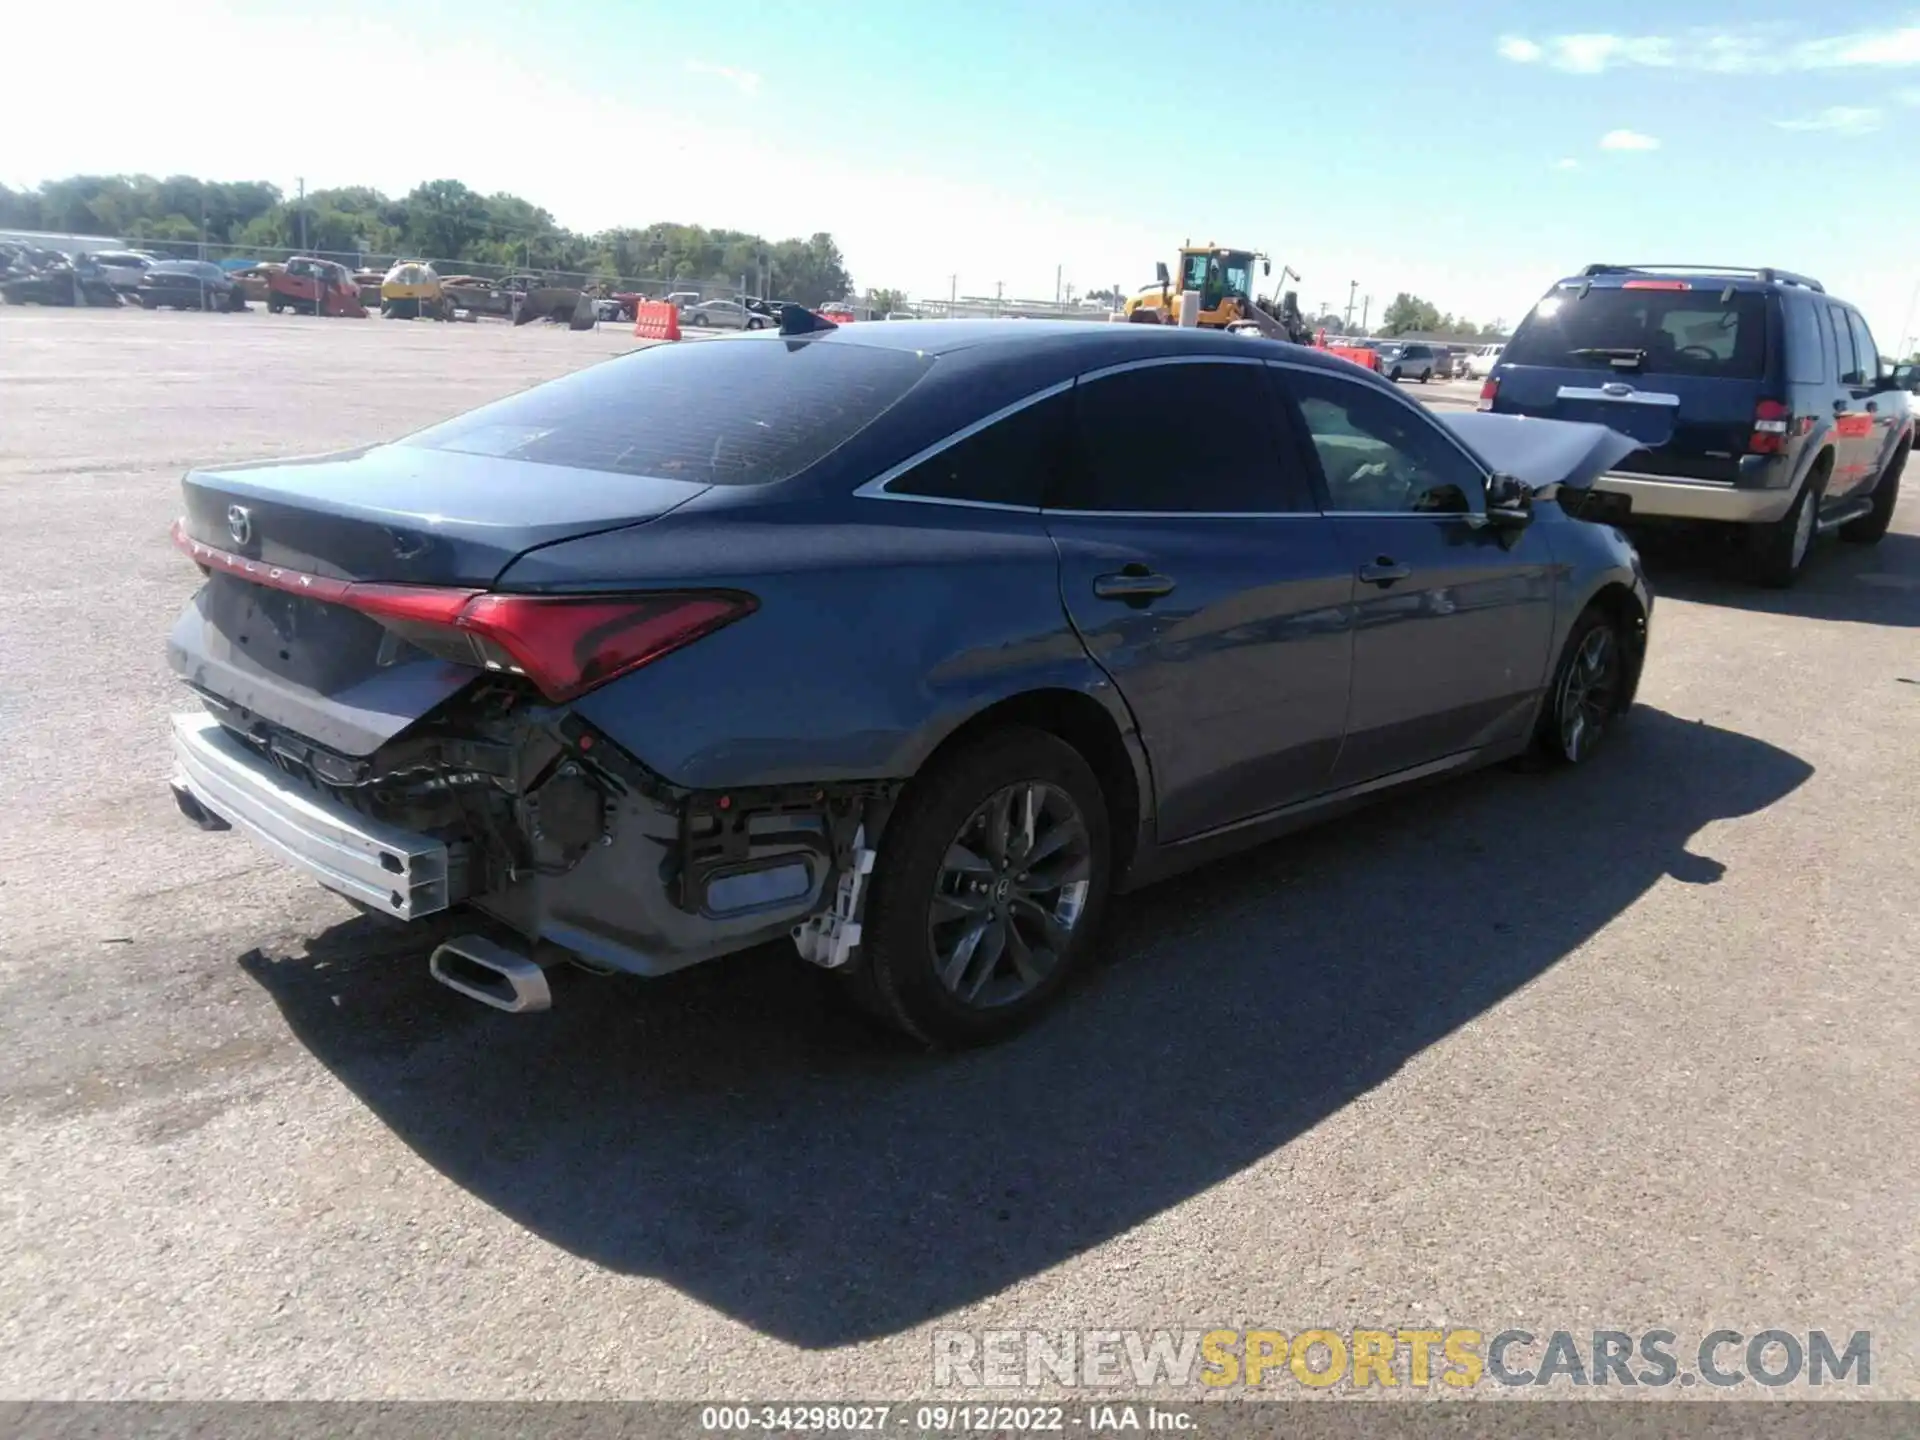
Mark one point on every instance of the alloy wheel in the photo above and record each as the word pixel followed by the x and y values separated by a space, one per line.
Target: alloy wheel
pixel 1009 894
pixel 1588 692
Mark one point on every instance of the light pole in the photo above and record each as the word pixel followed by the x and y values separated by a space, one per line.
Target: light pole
pixel 1353 287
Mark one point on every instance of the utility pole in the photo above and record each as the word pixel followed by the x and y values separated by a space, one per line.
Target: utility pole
pixel 999 294
pixel 203 222
pixel 1056 287
pixel 953 294
pixel 1365 306
pixel 302 205
pixel 1352 287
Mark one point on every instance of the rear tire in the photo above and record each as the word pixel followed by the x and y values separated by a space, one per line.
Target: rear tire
pixel 1780 550
pixel 1394 375
pixel 1872 526
pixel 1587 694
pixel 962 946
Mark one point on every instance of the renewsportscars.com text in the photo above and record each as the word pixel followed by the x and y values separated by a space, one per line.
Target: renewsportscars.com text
pixel 1456 1359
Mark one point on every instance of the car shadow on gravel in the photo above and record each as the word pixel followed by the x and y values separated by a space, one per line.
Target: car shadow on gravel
pixel 735 1133
pixel 1865 584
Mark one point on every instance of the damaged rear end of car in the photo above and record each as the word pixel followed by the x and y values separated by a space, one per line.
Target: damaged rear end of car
pixel 384 707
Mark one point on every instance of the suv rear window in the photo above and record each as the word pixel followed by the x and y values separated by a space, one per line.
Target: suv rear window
pixel 1675 332
pixel 728 412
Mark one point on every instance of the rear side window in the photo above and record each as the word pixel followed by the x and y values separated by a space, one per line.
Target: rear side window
pixel 1005 463
pixel 1172 439
pixel 1866 355
pixel 745 412
pixel 1849 362
pixel 1806 351
pixel 1676 332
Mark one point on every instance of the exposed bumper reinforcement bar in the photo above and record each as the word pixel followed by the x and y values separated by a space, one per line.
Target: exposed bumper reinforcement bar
pixel 399 872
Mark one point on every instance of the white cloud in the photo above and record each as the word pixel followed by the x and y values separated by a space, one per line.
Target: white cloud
pixel 1886 48
pixel 1836 120
pixel 1566 163
pixel 1757 49
pixel 747 82
pixel 1909 96
pixel 1628 140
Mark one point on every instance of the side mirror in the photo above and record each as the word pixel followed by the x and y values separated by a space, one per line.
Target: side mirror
pixel 1266 267
pixel 1160 273
pixel 1509 502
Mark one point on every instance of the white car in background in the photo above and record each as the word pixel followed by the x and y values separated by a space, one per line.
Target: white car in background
pixel 1481 362
pixel 722 315
pixel 124 269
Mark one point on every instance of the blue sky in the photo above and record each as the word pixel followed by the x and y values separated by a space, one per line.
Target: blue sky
pixel 1460 151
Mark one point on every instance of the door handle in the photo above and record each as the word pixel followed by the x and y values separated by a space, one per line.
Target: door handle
pixel 1384 571
pixel 1135 584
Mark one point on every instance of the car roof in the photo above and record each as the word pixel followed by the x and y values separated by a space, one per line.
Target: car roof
pixel 1737 277
pixel 1094 341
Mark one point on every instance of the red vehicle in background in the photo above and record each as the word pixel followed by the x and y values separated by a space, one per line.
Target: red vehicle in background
pixel 309 286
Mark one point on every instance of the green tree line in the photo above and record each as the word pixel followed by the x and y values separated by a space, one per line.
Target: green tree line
pixel 1410 315
pixel 440 220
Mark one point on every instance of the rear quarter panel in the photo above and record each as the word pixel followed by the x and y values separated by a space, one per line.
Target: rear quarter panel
pixel 882 627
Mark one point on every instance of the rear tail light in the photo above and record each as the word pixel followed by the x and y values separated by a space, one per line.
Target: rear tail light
pixel 565 645
pixel 1771 422
pixel 1489 392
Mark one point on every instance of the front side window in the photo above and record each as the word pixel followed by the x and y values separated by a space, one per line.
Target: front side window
pixel 1380 455
pixel 1177 439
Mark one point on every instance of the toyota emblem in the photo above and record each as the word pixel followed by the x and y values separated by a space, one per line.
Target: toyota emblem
pixel 239 524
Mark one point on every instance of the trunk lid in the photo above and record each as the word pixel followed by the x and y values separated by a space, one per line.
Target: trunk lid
pixel 267 656
pixel 409 515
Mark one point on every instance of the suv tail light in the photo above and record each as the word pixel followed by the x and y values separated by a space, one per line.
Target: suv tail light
pixel 1489 392
pixel 565 645
pixel 1771 421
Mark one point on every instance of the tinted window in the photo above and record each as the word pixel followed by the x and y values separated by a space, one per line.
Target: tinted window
pixel 1679 332
pixel 1806 350
pixel 1006 463
pixel 746 413
pixel 1380 454
pixel 1849 366
pixel 1174 438
pixel 1865 353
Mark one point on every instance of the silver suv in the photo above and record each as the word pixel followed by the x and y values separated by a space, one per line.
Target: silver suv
pixel 1412 361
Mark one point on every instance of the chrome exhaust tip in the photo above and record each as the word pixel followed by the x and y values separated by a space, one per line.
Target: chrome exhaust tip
pixel 483 970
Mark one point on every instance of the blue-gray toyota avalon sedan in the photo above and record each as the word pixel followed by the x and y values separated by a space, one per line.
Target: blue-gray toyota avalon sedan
pixel 912 642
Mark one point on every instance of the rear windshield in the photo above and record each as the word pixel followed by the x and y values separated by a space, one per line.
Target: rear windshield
pixel 750 411
pixel 1675 332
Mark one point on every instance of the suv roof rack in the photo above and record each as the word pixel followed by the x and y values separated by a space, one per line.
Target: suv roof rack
pixel 1766 276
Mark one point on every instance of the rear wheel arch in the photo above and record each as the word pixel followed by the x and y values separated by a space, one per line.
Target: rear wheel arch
pixel 1092 730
